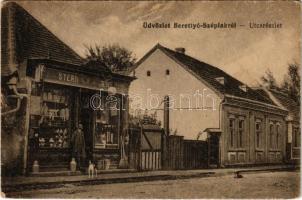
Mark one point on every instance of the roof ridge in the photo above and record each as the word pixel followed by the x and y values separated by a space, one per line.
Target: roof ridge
pixel 265 90
pixel 204 63
pixel 187 56
pixel 279 92
pixel 284 95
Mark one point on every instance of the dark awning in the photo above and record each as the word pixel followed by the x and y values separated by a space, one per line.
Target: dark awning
pixel 213 130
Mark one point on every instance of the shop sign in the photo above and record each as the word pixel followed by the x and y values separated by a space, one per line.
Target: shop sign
pixel 73 79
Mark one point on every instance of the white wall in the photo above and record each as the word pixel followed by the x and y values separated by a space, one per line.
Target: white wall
pixel 184 90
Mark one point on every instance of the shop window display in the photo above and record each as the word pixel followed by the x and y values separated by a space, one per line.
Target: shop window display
pixel 51 127
pixel 107 125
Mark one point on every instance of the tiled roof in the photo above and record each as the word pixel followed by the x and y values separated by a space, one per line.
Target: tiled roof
pixel 209 73
pixel 288 103
pixel 6 68
pixel 31 39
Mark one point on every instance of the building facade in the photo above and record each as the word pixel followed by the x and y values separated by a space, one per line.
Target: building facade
pixel 242 125
pixel 48 90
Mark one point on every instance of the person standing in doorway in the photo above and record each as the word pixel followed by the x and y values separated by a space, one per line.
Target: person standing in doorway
pixel 78 142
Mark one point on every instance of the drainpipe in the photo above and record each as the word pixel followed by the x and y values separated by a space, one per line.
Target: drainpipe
pixel 26 128
pixel 15 109
pixel 221 142
pixel 12 84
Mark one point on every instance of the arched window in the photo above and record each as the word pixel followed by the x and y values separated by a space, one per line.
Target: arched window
pixel 277 136
pixel 167 72
pixel 271 135
pixel 232 132
pixel 296 137
pixel 258 134
pixel 148 73
pixel 240 133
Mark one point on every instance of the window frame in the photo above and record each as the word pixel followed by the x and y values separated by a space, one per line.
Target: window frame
pixel 296 137
pixel 278 133
pixel 258 134
pixel 241 133
pixel 274 143
pixel 271 135
pixel 234 132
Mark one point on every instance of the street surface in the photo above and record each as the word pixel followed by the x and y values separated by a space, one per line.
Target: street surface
pixel 256 185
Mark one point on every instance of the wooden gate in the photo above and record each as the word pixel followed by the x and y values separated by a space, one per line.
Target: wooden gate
pixel 145 151
pixel 134 147
pixel 186 154
pixel 195 154
pixel 174 159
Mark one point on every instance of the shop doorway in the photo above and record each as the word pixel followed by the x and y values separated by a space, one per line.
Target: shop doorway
pixel 86 119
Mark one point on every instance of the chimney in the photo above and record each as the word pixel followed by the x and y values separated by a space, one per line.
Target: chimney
pixel 243 88
pixel 221 80
pixel 180 50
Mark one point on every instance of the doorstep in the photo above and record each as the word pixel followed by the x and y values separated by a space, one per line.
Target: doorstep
pixel 55 173
pixel 113 171
pixel 77 173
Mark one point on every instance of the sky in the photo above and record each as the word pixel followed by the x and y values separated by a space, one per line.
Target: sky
pixel 243 52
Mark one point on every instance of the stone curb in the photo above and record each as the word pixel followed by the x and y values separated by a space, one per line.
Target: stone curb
pixel 131 179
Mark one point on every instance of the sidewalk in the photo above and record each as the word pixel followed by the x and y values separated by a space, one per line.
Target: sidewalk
pixel 10 184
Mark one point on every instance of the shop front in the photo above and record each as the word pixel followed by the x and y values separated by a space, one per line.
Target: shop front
pixel 64 97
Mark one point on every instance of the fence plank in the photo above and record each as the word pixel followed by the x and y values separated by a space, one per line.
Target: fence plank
pixel 186 154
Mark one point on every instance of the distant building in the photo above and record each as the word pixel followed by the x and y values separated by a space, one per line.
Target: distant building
pixel 292 122
pixel 242 125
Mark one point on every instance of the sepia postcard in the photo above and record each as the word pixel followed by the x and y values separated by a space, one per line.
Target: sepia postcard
pixel 150 99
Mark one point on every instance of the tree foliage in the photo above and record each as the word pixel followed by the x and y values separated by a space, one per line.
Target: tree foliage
pixel 115 57
pixel 269 80
pixel 290 84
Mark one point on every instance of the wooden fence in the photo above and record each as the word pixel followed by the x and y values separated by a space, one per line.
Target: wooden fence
pixel 174 158
pixel 186 154
pixel 195 154
pixel 134 148
pixel 151 150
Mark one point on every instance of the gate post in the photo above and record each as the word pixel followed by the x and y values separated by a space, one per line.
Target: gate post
pixel 164 151
pixel 209 150
pixel 140 148
pixel 165 135
pixel 166 115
